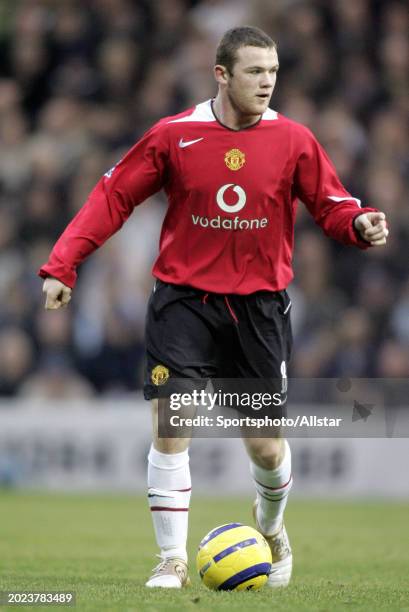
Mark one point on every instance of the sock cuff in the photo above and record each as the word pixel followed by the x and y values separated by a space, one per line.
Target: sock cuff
pixel 174 551
pixel 168 461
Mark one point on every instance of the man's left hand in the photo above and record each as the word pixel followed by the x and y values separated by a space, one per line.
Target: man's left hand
pixel 372 228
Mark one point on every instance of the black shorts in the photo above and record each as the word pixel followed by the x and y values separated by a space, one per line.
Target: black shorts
pixel 193 336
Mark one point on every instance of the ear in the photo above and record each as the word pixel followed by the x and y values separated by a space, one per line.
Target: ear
pixel 220 74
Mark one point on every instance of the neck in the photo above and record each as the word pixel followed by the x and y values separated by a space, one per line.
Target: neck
pixel 231 116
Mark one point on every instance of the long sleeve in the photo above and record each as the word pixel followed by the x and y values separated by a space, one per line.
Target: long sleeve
pixel 319 188
pixel 138 175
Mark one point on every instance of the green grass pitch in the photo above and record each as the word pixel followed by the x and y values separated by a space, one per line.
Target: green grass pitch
pixel 348 556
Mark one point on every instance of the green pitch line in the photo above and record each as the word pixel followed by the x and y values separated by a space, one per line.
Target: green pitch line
pixel 348 556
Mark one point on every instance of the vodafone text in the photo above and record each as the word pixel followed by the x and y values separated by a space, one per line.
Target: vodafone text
pixel 230 223
pixel 235 223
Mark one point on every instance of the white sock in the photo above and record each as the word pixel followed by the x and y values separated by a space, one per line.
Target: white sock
pixel 273 487
pixel 169 488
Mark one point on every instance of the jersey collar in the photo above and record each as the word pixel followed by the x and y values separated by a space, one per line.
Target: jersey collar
pixel 248 127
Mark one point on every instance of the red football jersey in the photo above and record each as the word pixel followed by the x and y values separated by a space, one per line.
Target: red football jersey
pixel 232 196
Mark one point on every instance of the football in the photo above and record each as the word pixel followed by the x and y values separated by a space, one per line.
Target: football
pixel 233 557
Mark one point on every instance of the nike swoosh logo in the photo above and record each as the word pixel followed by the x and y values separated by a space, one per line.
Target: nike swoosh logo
pixel 157 495
pixel 187 143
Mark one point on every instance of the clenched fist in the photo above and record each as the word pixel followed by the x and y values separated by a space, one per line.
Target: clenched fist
pixel 57 294
pixel 372 227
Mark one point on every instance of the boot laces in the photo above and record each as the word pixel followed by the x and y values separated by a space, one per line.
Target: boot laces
pixel 165 566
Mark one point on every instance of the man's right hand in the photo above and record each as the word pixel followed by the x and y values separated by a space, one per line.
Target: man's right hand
pixel 57 294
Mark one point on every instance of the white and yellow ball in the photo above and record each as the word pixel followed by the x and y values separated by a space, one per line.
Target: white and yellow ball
pixel 233 557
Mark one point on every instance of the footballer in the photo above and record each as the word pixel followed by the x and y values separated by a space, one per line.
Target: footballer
pixel 233 171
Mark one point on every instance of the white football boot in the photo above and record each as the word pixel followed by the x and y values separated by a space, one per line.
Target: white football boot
pixel 282 558
pixel 170 573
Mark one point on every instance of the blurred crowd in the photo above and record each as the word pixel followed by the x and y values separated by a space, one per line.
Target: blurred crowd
pixel 80 81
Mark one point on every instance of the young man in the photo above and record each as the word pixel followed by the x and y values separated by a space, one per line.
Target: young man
pixel 233 170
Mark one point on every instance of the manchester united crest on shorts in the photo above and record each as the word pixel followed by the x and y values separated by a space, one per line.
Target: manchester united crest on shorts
pixel 160 375
pixel 234 159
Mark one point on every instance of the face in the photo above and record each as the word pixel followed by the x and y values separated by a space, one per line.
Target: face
pixel 250 87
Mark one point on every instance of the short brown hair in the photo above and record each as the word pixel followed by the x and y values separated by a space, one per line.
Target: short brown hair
pixel 244 36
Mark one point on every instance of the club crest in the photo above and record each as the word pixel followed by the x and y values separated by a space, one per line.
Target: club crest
pixel 234 159
pixel 160 375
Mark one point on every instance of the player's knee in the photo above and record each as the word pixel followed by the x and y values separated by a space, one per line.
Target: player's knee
pixel 266 453
pixel 165 444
